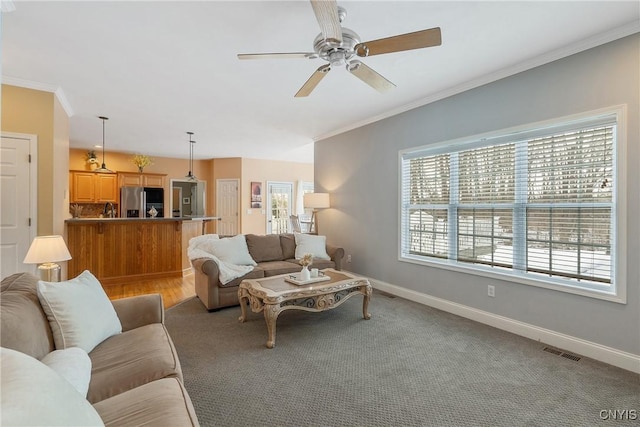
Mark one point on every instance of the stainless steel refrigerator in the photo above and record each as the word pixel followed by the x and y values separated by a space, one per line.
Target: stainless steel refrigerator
pixel 136 202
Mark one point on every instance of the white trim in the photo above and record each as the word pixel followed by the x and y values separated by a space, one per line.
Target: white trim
pixel 602 353
pixel 33 177
pixel 582 45
pixel 44 87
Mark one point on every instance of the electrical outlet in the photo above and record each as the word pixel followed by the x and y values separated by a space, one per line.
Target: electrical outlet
pixel 349 258
pixel 491 291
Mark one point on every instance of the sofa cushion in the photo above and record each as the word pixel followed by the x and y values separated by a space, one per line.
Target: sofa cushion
pixel 256 273
pixel 23 323
pixel 288 244
pixel 72 364
pixel 34 395
pixel 79 312
pixel 320 264
pixel 159 403
pixel 130 359
pixel 264 248
pixel 310 244
pixel 273 268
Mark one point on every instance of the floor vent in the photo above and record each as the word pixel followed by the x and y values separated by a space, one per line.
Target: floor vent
pixel 552 351
pixel 571 356
pixel 561 353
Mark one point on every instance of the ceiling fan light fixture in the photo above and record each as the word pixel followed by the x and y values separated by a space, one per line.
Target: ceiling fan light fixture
pixel 103 168
pixel 190 176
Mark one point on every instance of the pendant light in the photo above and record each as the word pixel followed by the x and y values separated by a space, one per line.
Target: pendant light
pixel 190 176
pixel 103 168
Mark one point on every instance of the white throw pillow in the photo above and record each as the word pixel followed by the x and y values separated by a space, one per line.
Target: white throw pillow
pixel 79 312
pixel 233 250
pixel 34 395
pixel 73 364
pixel 310 244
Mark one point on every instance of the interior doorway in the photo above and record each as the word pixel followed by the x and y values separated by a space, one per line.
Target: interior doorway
pixel 279 201
pixel 227 206
pixel 18 206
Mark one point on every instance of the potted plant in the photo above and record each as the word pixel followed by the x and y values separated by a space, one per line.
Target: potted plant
pixel 91 157
pixel 141 161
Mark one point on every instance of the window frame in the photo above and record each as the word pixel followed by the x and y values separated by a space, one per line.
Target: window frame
pixel 617 289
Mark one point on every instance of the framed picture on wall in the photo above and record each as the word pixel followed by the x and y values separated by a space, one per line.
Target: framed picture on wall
pixel 186 201
pixel 256 195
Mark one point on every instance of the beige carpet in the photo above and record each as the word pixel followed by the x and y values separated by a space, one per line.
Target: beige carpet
pixel 409 365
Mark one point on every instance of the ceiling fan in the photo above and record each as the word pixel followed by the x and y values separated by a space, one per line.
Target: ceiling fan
pixel 338 45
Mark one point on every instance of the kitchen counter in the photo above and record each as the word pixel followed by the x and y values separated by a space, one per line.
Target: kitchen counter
pixel 183 218
pixel 123 250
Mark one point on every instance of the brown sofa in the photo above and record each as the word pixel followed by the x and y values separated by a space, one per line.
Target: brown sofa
pixel 273 253
pixel 136 376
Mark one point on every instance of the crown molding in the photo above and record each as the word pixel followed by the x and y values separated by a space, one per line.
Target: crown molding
pixel 554 55
pixel 44 87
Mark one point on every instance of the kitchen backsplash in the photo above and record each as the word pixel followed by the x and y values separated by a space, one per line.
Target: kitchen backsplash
pixel 90 210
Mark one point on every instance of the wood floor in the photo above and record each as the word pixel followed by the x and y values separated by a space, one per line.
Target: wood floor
pixel 173 290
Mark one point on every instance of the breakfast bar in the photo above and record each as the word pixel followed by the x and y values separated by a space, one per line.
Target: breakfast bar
pixel 117 250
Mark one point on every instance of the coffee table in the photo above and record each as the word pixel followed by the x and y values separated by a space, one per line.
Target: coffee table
pixel 273 295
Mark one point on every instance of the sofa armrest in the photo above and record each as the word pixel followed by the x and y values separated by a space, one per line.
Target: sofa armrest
pixel 336 255
pixel 207 266
pixel 140 310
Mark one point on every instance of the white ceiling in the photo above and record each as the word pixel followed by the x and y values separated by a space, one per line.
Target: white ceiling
pixel 160 69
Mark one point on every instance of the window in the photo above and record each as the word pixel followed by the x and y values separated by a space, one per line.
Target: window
pixel 537 204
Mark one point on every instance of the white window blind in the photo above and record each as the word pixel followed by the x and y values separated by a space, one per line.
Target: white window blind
pixel 539 203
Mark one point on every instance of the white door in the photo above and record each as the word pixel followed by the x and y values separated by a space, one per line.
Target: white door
pixel 18 209
pixel 279 201
pixel 227 206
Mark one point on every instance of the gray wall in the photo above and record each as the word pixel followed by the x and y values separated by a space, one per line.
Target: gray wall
pixel 360 170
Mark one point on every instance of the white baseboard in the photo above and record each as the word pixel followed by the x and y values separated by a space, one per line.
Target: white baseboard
pixel 611 356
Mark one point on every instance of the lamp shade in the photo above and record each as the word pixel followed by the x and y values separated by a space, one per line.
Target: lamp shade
pixel 47 249
pixel 316 200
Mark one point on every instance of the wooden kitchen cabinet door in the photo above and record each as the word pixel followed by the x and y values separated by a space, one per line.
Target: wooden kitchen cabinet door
pixel 106 188
pixel 82 187
pixel 153 180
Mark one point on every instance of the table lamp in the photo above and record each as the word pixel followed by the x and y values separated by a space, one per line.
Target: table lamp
pixel 46 251
pixel 315 201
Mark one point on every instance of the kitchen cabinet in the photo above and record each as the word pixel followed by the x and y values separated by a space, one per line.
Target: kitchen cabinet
pixel 132 179
pixel 91 187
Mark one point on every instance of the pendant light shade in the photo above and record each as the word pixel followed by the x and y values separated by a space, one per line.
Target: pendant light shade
pixel 103 168
pixel 190 176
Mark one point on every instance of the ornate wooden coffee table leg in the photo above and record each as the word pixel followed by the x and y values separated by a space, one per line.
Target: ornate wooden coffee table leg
pixel 365 302
pixel 243 297
pixel 271 312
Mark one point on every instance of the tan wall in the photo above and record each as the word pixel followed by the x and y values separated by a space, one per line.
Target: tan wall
pixel 61 161
pixel 39 113
pixel 255 220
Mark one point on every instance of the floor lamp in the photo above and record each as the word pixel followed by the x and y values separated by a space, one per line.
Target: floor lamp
pixel 315 201
pixel 46 251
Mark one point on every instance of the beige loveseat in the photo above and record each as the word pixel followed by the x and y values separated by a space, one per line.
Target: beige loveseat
pixel 135 376
pixel 273 253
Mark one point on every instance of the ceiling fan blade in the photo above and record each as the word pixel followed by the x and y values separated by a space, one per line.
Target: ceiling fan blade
pixel 327 15
pixel 409 41
pixel 313 81
pixel 289 55
pixel 369 76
